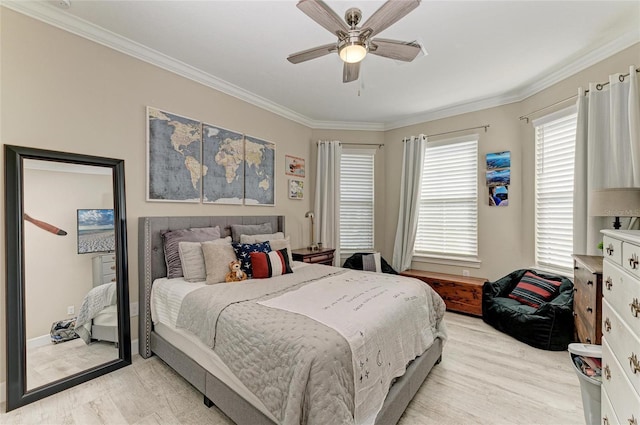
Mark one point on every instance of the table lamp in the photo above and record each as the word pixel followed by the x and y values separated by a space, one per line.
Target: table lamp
pixel 313 246
pixel 615 202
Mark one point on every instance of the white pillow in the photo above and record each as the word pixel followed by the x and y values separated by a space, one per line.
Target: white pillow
pixel 260 238
pixel 192 259
pixel 278 244
pixel 216 259
pixel 371 262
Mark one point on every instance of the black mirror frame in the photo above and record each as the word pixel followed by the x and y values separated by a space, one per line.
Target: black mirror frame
pixel 17 394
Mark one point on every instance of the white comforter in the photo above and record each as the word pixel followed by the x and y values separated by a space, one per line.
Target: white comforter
pixel 384 318
pixel 94 302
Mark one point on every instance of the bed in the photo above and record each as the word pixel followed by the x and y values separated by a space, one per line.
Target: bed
pixel 198 364
pixel 97 318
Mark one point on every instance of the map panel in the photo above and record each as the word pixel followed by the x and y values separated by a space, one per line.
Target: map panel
pixel 223 159
pixel 259 167
pixel 174 157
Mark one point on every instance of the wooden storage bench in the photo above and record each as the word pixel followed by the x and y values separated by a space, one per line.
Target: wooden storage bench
pixel 462 294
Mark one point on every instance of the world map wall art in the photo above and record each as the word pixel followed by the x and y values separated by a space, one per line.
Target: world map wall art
pixel 191 161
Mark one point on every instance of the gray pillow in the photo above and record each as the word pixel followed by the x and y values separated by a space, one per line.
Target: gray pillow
pixel 171 242
pixel 249 229
pixel 192 259
pixel 216 260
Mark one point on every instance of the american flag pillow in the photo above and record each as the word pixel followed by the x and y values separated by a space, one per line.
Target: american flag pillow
pixel 243 253
pixel 534 290
pixel 269 264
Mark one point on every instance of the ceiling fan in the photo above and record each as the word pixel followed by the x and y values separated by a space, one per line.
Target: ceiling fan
pixel 355 42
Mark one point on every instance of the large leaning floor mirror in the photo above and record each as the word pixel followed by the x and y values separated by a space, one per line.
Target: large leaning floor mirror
pixel 67 293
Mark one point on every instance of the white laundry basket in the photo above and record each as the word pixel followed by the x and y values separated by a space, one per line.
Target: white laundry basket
pixel 589 385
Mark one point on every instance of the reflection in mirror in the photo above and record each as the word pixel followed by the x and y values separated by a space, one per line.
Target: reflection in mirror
pixel 69 253
pixel 67 277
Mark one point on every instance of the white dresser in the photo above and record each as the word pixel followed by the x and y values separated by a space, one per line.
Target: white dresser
pixel 104 269
pixel 621 327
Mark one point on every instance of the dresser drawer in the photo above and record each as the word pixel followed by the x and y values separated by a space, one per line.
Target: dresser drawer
pixel 612 249
pixel 622 291
pixel 104 269
pixel 624 399
pixel 624 344
pixel 631 258
pixel 108 258
pixel 606 411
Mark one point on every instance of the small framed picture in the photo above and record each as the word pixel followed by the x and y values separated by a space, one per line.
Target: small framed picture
pixel 296 189
pixel 294 166
pixel 499 177
pixel 498 160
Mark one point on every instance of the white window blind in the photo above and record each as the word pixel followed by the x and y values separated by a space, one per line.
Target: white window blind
pixel 555 150
pixel 356 200
pixel 448 217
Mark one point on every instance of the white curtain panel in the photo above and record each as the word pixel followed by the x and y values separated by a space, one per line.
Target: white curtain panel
pixel 327 202
pixel 607 151
pixel 410 186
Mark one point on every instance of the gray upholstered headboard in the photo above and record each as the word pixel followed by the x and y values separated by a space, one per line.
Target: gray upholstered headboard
pixel 151 263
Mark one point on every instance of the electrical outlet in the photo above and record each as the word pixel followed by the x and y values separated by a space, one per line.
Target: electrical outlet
pixel 71 309
pixel 465 273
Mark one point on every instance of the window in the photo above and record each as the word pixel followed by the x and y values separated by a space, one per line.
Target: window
pixel 555 137
pixel 356 200
pixel 448 216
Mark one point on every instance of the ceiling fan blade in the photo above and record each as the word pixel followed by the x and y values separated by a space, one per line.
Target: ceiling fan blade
pixel 313 53
pixel 350 72
pixel 399 50
pixel 323 15
pixel 388 14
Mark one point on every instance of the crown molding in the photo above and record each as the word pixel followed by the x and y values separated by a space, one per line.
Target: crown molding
pixel 528 89
pixel 53 16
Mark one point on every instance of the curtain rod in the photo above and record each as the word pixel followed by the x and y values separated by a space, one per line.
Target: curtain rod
pixel 378 145
pixel 599 86
pixel 485 126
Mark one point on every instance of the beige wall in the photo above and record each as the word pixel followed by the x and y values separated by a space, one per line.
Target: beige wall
pixel 56 276
pixel 62 92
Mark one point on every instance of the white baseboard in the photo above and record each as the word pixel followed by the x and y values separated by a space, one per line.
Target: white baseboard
pixel 39 341
pixel 3 384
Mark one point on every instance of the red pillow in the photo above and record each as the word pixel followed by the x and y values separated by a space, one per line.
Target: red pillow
pixel 269 264
pixel 534 290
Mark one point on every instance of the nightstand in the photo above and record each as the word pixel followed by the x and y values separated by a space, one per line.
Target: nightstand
pixel 320 256
pixel 587 298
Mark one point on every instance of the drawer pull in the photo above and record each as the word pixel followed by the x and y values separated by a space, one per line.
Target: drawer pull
pixel 607 325
pixel 632 420
pixel 113 279
pixel 633 363
pixel 608 283
pixel 605 420
pixel 633 261
pixel 589 310
pixel 113 267
pixel 635 307
pixel 610 249
pixel 590 282
pixel 589 340
pixel 607 372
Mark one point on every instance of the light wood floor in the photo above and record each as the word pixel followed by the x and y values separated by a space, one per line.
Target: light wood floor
pixel 51 362
pixel 485 377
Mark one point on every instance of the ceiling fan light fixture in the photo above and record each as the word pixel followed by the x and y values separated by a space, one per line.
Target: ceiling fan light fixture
pixel 352 51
